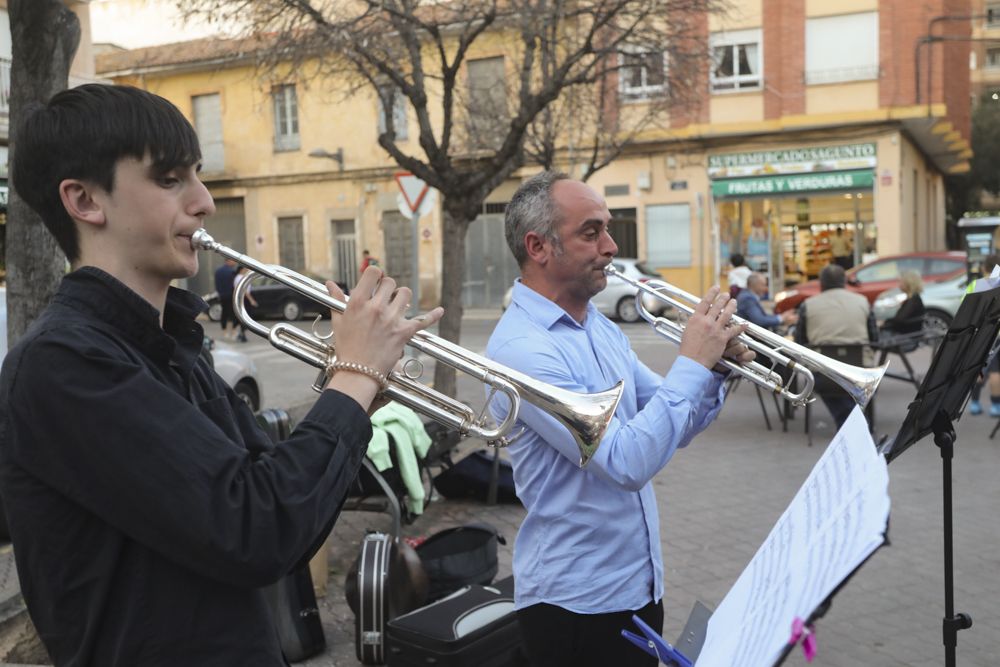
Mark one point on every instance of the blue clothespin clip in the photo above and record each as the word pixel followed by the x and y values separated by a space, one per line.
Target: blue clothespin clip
pixel 655 645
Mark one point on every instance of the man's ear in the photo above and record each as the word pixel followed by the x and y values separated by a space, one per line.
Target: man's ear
pixel 78 199
pixel 537 247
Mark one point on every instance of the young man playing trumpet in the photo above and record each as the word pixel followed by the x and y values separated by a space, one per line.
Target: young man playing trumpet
pixel 587 555
pixel 146 507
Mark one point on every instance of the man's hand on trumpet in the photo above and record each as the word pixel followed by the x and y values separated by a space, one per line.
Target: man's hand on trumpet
pixel 709 333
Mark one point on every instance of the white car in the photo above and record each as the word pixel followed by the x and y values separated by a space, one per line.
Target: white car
pixel 941 300
pixel 617 300
pixel 238 370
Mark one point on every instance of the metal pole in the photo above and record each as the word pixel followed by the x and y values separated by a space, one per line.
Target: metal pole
pixel 415 303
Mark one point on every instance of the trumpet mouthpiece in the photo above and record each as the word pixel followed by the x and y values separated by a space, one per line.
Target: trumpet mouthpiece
pixel 202 240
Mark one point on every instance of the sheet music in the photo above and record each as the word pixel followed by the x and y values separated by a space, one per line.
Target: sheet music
pixel 836 520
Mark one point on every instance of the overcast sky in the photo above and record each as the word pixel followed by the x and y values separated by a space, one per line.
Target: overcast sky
pixel 136 23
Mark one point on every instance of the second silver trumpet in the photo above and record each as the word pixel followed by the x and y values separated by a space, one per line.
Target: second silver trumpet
pixel 859 382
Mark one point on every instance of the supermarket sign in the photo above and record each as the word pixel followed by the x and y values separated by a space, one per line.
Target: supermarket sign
pixel 792 161
pixel 792 183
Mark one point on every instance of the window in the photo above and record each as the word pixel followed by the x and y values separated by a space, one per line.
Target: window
pixel 668 235
pixel 291 245
pixel 993 58
pixel 208 124
pixel 941 266
pixel 398 102
pixel 286 118
pixel 736 61
pixel 993 15
pixel 888 269
pixel 642 74
pixel 487 102
pixel 842 48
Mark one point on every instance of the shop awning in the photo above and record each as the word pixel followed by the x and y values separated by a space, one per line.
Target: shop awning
pixel 790 184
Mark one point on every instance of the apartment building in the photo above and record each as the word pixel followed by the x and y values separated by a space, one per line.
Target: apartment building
pixel 814 115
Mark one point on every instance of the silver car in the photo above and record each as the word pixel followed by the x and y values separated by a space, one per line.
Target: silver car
pixel 238 370
pixel 617 300
pixel 940 299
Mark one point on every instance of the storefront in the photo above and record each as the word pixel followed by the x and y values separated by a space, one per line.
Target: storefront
pixel 788 210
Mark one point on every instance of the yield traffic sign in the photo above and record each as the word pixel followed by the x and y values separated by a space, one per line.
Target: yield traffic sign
pixel 414 190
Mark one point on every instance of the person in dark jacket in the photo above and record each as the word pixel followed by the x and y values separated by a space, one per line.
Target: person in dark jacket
pixel 146 507
pixel 749 307
pixel 910 316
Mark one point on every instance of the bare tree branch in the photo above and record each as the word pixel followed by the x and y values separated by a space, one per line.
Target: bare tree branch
pixel 561 99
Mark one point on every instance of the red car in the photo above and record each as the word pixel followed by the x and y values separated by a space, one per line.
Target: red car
pixel 875 277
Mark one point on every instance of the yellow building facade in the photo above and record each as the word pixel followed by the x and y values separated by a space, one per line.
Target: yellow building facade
pixel 814 117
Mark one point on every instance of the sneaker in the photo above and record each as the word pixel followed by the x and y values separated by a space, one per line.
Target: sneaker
pixel 994 409
pixel 975 408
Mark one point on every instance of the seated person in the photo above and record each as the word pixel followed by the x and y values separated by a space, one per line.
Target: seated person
pixel 910 316
pixel 835 316
pixel 749 307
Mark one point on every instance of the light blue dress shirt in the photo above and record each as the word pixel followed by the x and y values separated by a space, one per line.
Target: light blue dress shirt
pixel 590 542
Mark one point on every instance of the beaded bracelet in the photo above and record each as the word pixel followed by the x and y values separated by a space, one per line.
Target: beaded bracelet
pixel 354 367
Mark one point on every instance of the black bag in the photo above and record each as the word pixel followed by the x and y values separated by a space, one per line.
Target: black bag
pixel 276 422
pixel 296 615
pixel 470 478
pixel 385 581
pixel 476 625
pixel 457 557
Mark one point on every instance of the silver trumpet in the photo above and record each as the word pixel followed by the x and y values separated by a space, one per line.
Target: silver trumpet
pixel 857 381
pixel 585 415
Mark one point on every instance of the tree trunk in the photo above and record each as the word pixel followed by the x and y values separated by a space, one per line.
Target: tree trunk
pixel 44 35
pixel 452 278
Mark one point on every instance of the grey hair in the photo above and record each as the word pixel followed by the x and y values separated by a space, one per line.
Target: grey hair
pixel 532 209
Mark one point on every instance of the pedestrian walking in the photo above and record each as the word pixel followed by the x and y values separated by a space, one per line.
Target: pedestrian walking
pixel 249 302
pixel 225 280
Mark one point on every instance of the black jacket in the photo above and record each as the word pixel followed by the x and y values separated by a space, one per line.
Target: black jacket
pixel 146 506
pixel 909 318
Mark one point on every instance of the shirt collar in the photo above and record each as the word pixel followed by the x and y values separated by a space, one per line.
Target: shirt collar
pixel 111 301
pixel 545 311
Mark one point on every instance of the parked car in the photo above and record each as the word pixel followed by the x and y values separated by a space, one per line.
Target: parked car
pixel 237 369
pixel 275 301
pixel 617 300
pixel 941 300
pixel 877 276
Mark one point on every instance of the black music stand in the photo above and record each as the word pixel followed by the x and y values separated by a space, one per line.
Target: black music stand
pixel 961 357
